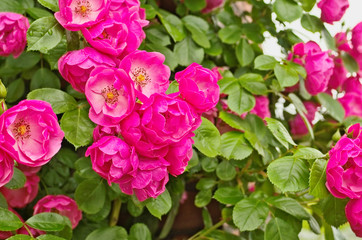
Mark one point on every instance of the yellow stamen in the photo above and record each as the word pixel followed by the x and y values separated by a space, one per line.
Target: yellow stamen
pixel 141 78
pixel 22 130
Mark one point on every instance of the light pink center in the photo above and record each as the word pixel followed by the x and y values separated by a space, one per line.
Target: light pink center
pixel 21 130
pixel 110 94
pixel 140 76
pixel 83 8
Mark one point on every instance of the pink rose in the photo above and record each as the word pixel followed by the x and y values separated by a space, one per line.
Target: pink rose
pixel 297 124
pixel 76 66
pixel 119 34
pixel 332 10
pixel 358 57
pixel 6 162
pixel 122 5
pixel 178 155
pixel 342 42
pixel 111 94
pixel 211 5
pixel 147 71
pixel 19 198
pixel 101 131
pixel 339 74
pixel 261 108
pixel 77 14
pixel 216 71
pixel 344 168
pixel 13 27
pixel 357 37
pixel 28 171
pixel 150 180
pixel 60 204
pixel 113 159
pixel 354 215
pixel 198 86
pixel 351 101
pixel 32 130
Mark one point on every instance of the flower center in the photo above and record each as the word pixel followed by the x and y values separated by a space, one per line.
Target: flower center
pixel 140 76
pixel 21 130
pixel 83 7
pixel 110 94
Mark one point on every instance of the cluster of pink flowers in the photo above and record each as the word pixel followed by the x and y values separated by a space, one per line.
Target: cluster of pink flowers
pixel 332 10
pixel 344 174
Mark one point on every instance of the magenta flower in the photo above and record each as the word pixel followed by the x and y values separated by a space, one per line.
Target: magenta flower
pixel 19 198
pixel 351 101
pixel 32 130
pixel 344 168
pixel 6 162
pixel 76 66
pixel 339 74
pixel 354 215
pixel 261 108
pixel 357 37
pixel 77 14
pixel 119 34
pixel 342 42
pixel 198 86
pixel 13 27
pixel 102 131
pixel 124 5
pixel 211 5
pixel 111 95
pixel 150 180
pixel 147 71
pixel 178 156
pixel 60 204
pixel 297 125
pixel 113 159
pixel 332 10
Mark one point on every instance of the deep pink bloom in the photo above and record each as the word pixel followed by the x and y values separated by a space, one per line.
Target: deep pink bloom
pixel 339 74
pixel 344 168
pixel 358 57
pixel 342 42
pixel 119 34
pixel 111 94
pixel 19 198
pixel 101 131
pixel 122 5
pixel 32 130
pixel 211 5
pixel 357 37
pixel 352 99
pixel 6 162
pixel 77 14
pixel 113 159
pixel 13 27
pixel 198 86
pixel 297 124
pixel 332 10
pixel 302 49
pixel 150 180
pixel 354 215
pixel 76 66
pixel 28 171
pixel 60 204
pixel 148 72
pixel 261 108
pixel 178 155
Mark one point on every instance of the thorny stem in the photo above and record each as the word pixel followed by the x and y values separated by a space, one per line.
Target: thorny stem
pixel 115 212
pixel 27 229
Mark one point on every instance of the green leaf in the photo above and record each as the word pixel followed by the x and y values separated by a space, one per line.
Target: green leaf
pixel 61 101
pixel 289 205
pixel 25 61
pixel 308 153
pixel 84 168
pixel 254 83
pixel 329 40
pixel 287 10
pixel 17 181
pixel 317 179
pixel 207 138
pixel 9 221
pixel 311 23
pixel 302 111
pixel 173 25
pixel 234 146
pixel 225 171
pixel 244 53
pixel 198 28
pixel 108 233
pixel 279 229
pixel 38 13
pixel 334 108
pixel 151 12
pixel 51 4
pixel 289 174
pixel 264 62
pixel 49 237
pixel 334 210
pixel 230 34
pixel 16 90
pixel 203 198
pixel 195 5
pixel 286 75
pixel 55 53
pixel 77 127
pixel 44 78
pixel 20 237
pixel 139 231
pixel 307 5
pixel 44 34
pixel 209 164
pixel 18 6
pixel 215 48
pixel 158 35
pixel 232 120
pixel 170 58
pixel 349 62
pixel 249 214
pixel 46 221
pixel 228 195
pixel 239 100
pixel 187 52
pixel 90 195
pixel 280 132
pixel 206 183
pixel 3 202
pixel 161 205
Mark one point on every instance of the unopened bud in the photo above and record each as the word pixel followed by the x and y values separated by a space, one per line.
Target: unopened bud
pixel 3 91
pixel 3 106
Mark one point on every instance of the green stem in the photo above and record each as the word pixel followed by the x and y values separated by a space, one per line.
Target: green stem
pixel 115 212
pixel 27 229
pixel 202 234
